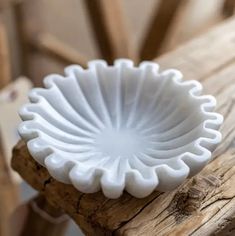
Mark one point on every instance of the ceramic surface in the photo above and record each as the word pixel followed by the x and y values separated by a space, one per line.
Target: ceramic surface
pixel 120 127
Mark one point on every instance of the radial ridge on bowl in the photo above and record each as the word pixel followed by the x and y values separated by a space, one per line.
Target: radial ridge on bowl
pixel 120 127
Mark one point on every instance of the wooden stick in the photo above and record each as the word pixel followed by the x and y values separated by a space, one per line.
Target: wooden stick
pixel 8 190
pixel 107 21
pixel 5 72
pixel 158 28
pixel 53 47
pixel 228 8
pixel 44 219
pixel 21 31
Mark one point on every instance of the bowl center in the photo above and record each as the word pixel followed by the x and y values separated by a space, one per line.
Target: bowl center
pixel 120 143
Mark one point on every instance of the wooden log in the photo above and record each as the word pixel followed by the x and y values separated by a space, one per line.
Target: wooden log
pixel 158 28
pixel 110 30
pixel 203 205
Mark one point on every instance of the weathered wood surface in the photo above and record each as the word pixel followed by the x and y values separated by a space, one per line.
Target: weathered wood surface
pixel 203 205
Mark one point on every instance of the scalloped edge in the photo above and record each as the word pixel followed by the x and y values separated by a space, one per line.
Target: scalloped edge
pixel 162 175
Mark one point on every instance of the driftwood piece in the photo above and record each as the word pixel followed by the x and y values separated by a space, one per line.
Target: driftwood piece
pixel 111 33
pixel 203 205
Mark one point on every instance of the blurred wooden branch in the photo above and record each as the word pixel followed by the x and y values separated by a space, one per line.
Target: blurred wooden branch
pixel 43 219
pixel 5 72
pixel 8 190
pixel 53 47
pixel 22 35
pixel 158 28
pixel 9 198
pixel 8 3
pixel 228 8
pixel 110 29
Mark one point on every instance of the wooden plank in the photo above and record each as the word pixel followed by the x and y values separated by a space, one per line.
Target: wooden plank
pixel 54 48
pixel 158 28
pixel 203 204
pixel 110 30
pixel 5 73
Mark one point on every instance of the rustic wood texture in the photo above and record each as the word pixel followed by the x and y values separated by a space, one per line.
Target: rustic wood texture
pixel 203 205
pixel 158 28
pixel 110 30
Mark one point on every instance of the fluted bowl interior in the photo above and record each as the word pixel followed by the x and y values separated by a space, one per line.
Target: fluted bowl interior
pixel 120 127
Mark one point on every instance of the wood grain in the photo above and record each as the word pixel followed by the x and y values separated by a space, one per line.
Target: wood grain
pixel 110 29
pixel 204 204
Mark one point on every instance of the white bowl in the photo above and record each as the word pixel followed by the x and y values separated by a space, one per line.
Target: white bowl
pixel 120 128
